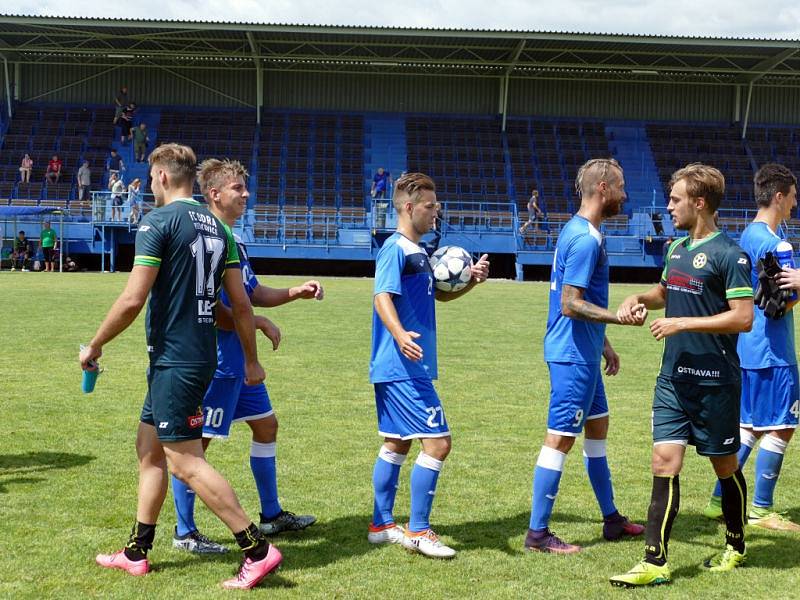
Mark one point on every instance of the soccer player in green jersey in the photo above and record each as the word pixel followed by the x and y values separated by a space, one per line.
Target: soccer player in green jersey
pixel 184 254
pixel 706 290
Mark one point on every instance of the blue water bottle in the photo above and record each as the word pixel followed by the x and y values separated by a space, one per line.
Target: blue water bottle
pixel 783 253
pixel 90 376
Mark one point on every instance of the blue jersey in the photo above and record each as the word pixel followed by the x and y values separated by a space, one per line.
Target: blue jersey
pixel 402 269
pixel 580 260
pixel 769 343
pixel 230 356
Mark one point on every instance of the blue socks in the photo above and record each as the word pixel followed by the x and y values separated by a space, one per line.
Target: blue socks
pixel 768 466
pixel 748 440
pixel 184 506
pixel 262 463
pixel 423 488
pixel 546 477
pixel 384 482
pixel 596 463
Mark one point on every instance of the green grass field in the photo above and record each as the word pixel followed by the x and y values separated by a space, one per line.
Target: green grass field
pixel 68 467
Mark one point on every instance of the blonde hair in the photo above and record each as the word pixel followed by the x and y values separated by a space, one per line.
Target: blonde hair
pixel 177 160
pixel 214 173
pixel 411 185
pixel 702 181
pixel 592 172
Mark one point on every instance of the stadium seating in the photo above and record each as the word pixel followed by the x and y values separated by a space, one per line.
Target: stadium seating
pixel 310 160
pixel 75 134
pixel 309 182
pixel 674 146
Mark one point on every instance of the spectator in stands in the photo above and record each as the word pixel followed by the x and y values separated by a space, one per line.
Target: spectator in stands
pixel 22 252
pixel 126 122
pixel 658 223
pixel 25 168
pixel 114 165
pixel 117 187
pixel 380 184
pixel 534 212
pixel 140 140
pixel 120 102
pixel 47 241
pixel 84 181
pixel 54 167
pixel 134 201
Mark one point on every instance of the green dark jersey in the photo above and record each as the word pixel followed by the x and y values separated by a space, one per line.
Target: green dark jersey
pixel 700 278
pixel 191 248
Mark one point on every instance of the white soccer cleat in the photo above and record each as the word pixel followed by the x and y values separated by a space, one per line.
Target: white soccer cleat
pixel 385 534
pixel 427 543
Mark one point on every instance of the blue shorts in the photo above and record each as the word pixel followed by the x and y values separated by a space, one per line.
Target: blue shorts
pixel 770 398
pixel 577 393
pixel 228 400
pixel 409 409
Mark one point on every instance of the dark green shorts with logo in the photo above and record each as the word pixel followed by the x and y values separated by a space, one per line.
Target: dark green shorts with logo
pixel 706 416
pixel 174 401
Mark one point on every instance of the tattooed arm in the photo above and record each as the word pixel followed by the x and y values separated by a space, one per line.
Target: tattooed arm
pixel 575 307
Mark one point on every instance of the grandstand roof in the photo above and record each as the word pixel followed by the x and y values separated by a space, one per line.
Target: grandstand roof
pixel 393 50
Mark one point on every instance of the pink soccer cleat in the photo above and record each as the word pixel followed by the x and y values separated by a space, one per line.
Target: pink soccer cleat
pixel 253 571
pixel 118 560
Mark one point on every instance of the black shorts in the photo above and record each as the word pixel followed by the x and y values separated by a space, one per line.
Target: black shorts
pixel 48 254
pixel 174 401
pixel 116 201
pixel 705 416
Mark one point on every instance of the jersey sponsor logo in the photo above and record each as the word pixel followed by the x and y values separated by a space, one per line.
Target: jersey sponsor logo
pixel 196 420
pixel 202 222
pixel 205 308
pixel 699 261
pixel 682 282
pixel 675 257
pixel 698 372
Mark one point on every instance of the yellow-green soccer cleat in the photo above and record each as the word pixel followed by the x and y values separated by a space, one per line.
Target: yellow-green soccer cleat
pixel 713 509
pixel 766 518
pixel 727 560
pixel 644 573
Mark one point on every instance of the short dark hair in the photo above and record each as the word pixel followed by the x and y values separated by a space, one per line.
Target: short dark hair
pixel 22 231
pixel 771 179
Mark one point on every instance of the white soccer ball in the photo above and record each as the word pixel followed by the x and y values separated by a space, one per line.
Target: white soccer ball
pixel 451 267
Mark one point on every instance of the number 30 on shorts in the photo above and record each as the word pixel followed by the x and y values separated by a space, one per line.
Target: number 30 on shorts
pixel 435 416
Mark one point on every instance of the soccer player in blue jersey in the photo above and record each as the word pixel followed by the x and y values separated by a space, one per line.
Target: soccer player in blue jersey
pixel 770 403
pixel 403 367
pixel 228 399
pixel 184 254
pixel 574 343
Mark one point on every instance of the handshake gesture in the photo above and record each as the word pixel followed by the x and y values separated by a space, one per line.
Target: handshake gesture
pixel 632 312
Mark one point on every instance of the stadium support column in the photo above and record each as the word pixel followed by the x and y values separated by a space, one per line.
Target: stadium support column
pixel 8 86
pixel 504 82
pixel 259 91
pixel 259 76
pixel 747 110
